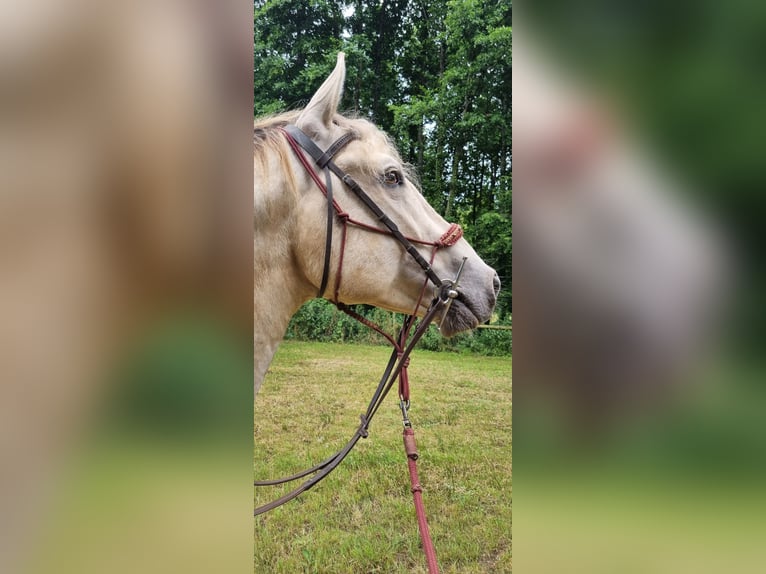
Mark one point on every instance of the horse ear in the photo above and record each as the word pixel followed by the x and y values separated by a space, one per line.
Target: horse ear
pixel 323 106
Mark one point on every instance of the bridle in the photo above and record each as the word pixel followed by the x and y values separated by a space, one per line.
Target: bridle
pixel 445 291
pixel 300 143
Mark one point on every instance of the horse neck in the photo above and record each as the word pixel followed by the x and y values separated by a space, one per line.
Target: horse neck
pixel 274 303
pixel 279 286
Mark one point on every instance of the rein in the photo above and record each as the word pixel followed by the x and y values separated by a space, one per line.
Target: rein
pixel 396 369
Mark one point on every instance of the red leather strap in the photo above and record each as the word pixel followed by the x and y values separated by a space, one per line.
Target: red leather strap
pixel 451 236
pixel 417 494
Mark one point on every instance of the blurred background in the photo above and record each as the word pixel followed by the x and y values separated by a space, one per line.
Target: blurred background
pixel 125 358
pixel 640 434
pixel 125 287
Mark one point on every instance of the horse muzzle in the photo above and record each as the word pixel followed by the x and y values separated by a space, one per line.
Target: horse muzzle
pixel 473 305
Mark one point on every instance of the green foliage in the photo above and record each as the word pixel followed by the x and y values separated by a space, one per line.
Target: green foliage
pixel 488 342
pixel 492 236
pixel 319 320
pixel 294 45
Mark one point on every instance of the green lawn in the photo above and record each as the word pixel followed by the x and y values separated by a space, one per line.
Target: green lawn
pixel 361 518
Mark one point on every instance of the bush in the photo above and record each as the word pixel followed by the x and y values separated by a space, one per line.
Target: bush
pixel 319 320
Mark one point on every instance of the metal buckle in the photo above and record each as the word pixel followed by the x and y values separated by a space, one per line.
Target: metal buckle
pixel 448 291
pixel 405 407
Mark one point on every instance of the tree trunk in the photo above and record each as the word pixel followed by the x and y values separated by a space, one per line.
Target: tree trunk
pixel 420 144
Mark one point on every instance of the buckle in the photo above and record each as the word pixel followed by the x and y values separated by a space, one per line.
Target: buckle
pixel 405 407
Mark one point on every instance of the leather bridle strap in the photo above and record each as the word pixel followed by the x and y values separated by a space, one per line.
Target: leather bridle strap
pixel 324 161
pixel 328 235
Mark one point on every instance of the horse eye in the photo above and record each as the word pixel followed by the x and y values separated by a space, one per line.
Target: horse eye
pixel 392 177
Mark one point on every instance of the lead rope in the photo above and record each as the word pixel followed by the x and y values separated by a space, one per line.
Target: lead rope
pixel 411 451
pixel 410 448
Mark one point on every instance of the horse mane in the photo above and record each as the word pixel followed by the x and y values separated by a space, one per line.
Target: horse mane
pixel 264 128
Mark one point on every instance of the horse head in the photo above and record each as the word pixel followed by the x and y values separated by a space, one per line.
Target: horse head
pixel 376 269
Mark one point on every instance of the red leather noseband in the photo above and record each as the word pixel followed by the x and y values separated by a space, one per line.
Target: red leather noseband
pixel 451 236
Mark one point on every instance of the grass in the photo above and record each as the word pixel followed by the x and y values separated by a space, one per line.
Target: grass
pixel 361 518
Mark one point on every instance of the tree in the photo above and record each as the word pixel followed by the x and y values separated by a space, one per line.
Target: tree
pixel 294 47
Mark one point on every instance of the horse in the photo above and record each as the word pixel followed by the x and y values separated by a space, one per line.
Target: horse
pixel 291 224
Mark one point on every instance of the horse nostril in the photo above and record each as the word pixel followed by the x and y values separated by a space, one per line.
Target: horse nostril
pixel 496 284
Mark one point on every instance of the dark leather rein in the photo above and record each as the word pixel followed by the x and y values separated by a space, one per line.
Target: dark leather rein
pixel 396 369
